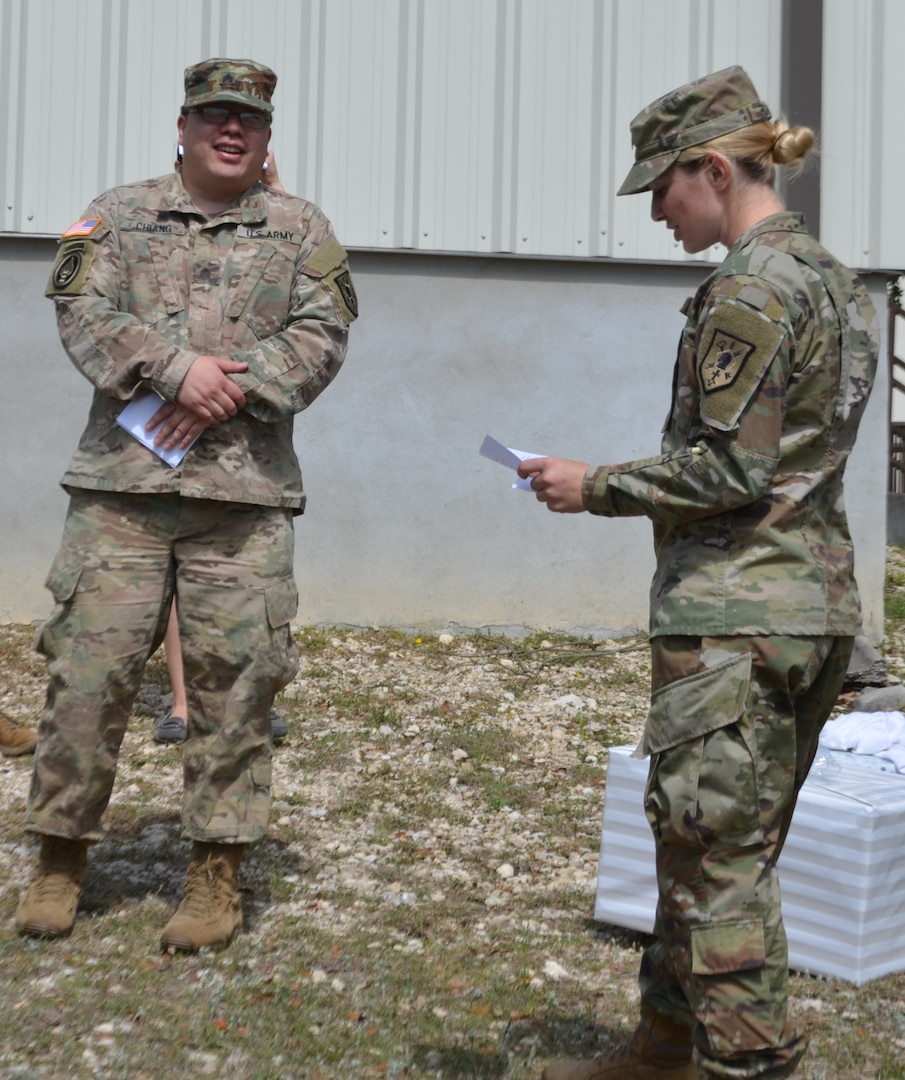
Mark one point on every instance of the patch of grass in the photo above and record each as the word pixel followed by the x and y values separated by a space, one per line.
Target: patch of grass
pixel 503 791
pixel 380 939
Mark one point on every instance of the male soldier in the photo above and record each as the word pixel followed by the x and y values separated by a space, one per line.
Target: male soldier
pixel 232 302
pixel 754 605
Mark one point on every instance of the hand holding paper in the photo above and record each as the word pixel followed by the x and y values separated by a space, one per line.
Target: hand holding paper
pixel 556 482
pixel 505 455
pixel 134 419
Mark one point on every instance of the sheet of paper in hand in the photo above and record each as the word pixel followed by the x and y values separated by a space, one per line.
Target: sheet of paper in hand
pixel 133 419
pixel 505 455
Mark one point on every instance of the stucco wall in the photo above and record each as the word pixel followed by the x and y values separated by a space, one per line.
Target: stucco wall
pixel 406 525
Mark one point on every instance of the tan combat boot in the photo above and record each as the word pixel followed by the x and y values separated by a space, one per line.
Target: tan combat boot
pixel 211 909
pixel 15 739
pixel 660 1049
pixel 48 907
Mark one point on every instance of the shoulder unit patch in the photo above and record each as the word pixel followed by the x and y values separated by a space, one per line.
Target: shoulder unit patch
pixel 723 361
pixel 739 345
pixel 75 255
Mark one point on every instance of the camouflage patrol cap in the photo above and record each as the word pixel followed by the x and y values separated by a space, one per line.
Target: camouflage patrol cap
pixel 695 113
pixel 241 81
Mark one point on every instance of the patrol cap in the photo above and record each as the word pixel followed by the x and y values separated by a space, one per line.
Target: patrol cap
pixel 695 113
pixel 240 81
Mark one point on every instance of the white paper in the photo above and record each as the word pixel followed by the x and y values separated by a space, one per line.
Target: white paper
pixel 505 455
pixel 133 419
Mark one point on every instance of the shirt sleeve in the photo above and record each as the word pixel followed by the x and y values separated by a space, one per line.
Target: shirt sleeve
pixel 113 349
pixel 289 369
pixel 743 357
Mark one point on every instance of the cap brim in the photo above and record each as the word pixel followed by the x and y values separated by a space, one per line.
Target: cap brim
pixel 234 99
pixel 643 173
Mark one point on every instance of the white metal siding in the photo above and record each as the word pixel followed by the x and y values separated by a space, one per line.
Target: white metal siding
pixel 863 152
pixel 441 125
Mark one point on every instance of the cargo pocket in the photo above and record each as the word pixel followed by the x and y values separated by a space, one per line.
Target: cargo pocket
pixel 262 775
pixel 702 784
pixel 62 581
pixel 282 601
pixel 730 986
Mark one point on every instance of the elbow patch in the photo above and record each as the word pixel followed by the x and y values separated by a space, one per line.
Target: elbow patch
pixel 739 345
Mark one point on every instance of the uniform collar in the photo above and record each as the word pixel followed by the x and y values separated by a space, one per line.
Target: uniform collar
pixel 251 208
pixel 787 221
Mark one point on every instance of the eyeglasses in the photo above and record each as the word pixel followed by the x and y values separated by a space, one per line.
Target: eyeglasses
pixel 217 116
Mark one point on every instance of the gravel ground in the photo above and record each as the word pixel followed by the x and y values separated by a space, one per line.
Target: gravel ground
pixel 423 899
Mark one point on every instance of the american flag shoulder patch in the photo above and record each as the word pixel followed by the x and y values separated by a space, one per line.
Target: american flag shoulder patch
pixel 85 227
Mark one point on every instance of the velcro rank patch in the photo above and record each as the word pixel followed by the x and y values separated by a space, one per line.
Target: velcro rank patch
pixel 740 344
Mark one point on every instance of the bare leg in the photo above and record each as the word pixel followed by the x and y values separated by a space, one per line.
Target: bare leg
pixel 173 650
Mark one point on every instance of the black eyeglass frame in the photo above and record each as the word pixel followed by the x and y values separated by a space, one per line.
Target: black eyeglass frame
pixel 251 121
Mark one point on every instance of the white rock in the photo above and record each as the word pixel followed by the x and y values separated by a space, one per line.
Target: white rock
pixel 204 1064
pixel 506 870
pixel 555 971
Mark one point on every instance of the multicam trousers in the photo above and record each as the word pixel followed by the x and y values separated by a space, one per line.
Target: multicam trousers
pixel 122 559
pixel 732 732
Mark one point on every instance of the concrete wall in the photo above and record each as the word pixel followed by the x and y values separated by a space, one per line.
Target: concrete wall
pixel 406 525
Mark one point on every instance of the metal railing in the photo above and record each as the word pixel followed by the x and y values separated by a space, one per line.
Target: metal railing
pixel 896 459
pixel 896 479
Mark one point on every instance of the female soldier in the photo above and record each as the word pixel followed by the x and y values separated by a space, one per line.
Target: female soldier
pixel 754 605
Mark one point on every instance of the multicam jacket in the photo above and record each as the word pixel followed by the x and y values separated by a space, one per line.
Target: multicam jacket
pixel 774 369
pixel 144 284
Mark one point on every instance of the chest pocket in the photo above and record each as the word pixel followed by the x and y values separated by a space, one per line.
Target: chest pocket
pixel 259 283
pixel 149 287
pixel 167 282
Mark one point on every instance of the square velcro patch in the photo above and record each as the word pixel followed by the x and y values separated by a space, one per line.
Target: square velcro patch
pixel 741 347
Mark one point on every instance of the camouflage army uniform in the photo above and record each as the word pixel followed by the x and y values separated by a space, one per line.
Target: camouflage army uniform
pixel 753 610
pixel 143 285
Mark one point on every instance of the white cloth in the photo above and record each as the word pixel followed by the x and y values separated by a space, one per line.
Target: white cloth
pixel 881 734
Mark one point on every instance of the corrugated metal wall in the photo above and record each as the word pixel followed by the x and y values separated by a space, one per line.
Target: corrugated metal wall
pixel 863 149
pixel 441 125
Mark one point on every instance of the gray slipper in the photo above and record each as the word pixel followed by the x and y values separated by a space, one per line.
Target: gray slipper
pixel 279 729
pixel 172 729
